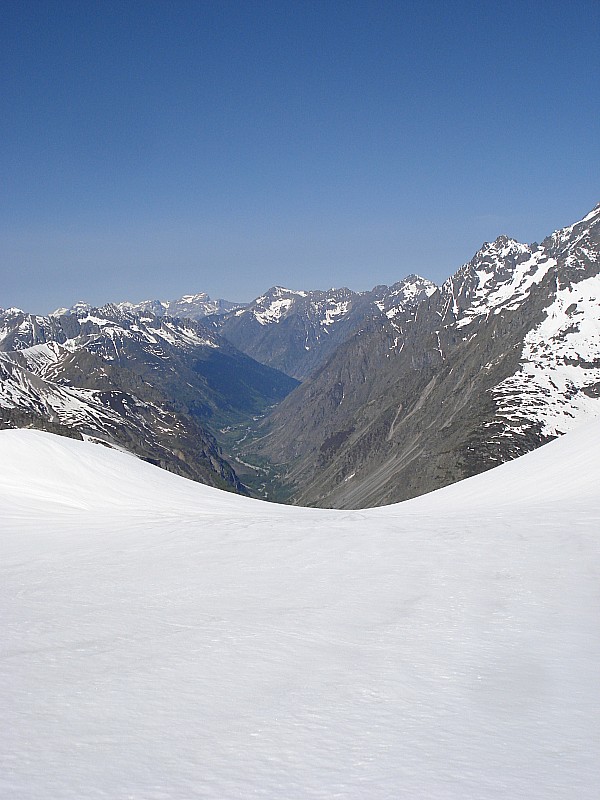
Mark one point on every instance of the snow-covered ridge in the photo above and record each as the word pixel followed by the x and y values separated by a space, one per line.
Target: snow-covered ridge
pixel 276 292
pixel 192 306
pixel 503 273
pixel 27 390
pixel 278 303
pixel 40 358
pixel 109 322
pixel 559 379
pixel 557 384
pixel 326 308
pixel 404 295
pixel 448 645
pixel 80 307
pixel 565 234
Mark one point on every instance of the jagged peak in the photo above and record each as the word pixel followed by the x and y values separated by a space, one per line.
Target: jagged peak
pixel 276 294
pixel 80 307
pixel 279 291
pixel 501 244
pixel 412 280
pixel 13 311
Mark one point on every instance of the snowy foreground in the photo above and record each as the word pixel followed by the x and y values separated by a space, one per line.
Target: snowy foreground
pixel 161 639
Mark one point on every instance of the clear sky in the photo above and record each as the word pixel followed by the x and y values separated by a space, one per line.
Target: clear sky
pixel 150 149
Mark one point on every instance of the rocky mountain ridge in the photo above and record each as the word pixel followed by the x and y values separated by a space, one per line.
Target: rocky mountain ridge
pixel 157 386
pixel 190 306
pixel 296 331
pixel 501 358
pixel 405 388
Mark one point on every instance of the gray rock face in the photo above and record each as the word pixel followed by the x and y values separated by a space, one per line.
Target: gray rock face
pixel 148 384
pixel 503 357
pixel 297 331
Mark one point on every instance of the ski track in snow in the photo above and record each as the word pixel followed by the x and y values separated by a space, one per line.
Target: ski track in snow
pixel 162 639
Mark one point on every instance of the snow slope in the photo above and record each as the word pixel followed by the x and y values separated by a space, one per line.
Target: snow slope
pixel 162 639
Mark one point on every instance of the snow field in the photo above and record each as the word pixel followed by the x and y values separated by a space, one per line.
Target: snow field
pixel 162 639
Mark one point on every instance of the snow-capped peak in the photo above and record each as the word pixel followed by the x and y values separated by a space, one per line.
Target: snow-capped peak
pixel 403 295
pixel 502 273
pixel 13 311
pixel 80 307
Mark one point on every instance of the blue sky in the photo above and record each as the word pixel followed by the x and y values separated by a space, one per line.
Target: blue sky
pixel 151 149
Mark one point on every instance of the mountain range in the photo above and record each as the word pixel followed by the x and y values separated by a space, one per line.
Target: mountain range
pixel 297 331
pixel 403 389
pixel 156 386
pixel 500 359
pixel 190 306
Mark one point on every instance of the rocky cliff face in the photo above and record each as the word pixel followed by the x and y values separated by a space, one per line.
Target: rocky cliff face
pixel 503 357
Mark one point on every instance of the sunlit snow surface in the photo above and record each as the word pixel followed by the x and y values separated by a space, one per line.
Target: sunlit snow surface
pixel 161 639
